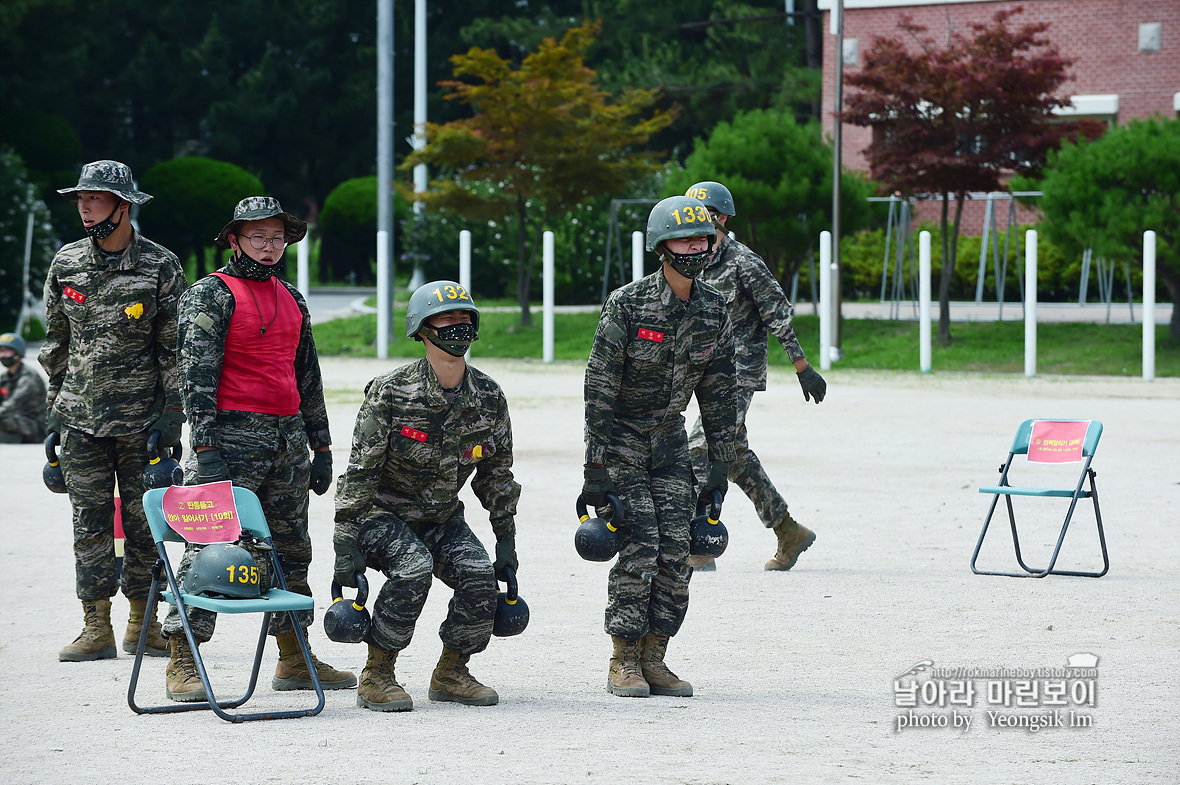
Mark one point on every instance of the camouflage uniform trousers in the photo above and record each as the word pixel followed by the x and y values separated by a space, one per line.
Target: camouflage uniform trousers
pixel 647 590
pixel 269 455
pixel 408 554
pixel 746 471
pixel 90 465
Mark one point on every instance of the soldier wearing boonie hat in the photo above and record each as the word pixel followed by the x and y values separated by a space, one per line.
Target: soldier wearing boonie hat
pixel 110 353
pixel 253 393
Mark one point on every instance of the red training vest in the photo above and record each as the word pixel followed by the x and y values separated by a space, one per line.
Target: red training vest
pixel 258 370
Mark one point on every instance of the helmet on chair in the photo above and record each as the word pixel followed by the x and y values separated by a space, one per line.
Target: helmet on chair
pixel 224 570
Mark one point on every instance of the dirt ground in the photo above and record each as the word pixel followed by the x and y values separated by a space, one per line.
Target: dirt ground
pixel 794 672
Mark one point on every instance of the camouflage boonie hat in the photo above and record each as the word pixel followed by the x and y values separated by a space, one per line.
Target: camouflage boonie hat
pixel 259 208
pixel 110 176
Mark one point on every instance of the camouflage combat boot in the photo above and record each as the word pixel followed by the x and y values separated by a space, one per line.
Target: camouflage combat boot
pixel 97 641
pixel 451 681
pixel 793 539
pixel 625 677
pixel 379 689
pixel 182 682
pixel 703 563
pixel 157 644
pixel 291 673
pixel 660 679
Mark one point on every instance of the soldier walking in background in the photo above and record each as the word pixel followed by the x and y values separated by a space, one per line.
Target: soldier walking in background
pixel 22 395
pixel 660 340
pixel 110 354
pixel 421 432
pixel 251 384
pixel 757 306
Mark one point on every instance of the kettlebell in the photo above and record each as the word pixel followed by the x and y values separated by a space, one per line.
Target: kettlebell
pixel 347 621
pixel 51 474
pixel 709 536
pixel 160 471
pixel 597 539
pixel 512 613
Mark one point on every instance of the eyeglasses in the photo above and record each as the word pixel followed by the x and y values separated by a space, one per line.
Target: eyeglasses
pixel 258 242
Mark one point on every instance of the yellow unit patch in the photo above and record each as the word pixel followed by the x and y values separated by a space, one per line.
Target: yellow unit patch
pixel 134 311
pixel 477 451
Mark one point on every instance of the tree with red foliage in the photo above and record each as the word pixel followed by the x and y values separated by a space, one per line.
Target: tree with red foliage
pixel 957 118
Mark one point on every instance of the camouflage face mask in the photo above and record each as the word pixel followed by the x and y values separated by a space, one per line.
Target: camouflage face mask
pixel 255 271
pixel 454 339
pixel 103 229
pixel 688 264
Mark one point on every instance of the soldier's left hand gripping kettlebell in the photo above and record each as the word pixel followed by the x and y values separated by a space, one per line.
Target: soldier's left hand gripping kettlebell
pixel 709 536
pixel 51 474
pixel 348 621
pixel 512 612
pixel 161 471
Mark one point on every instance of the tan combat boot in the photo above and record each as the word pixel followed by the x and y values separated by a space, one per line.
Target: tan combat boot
pixel 703 563
pixel 97 641
pixel 182 682
pixel 379 689
pixel 660 678
pixel 157 644
pixel 793 539
pixel 625 677
pixel 291 673
pixel 451 681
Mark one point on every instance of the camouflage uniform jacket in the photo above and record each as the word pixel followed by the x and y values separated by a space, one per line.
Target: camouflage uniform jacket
pixel 22 394
pixel 757 305
pixel 110 345
pixel 414 448
pixel 205 312
pixel 651 353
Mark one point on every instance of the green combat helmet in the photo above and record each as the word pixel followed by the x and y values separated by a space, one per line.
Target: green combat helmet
pixel 14 342
pixel 715 196
pixel 438 297
pixel 681 216
pixel 224 570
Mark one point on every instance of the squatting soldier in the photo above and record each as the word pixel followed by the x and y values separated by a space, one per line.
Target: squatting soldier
pixel 757 306
pixel 22 395
pixel 660 340
pixel 252 389
pixel 110 353
pixel 421 432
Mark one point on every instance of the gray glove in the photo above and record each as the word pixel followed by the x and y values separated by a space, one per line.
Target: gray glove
pixel 169 427
pixel 349 561
pixel 813 384
pixel 211 467
pixel 321 471
pixel 718 480
pixel 505 557
pixel 596 485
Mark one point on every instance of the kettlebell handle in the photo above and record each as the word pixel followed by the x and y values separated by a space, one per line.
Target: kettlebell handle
pixel 51 442
pixel 513 592
pixel 362 591
pixel 153 449
pixel 612 499
pixel 714 505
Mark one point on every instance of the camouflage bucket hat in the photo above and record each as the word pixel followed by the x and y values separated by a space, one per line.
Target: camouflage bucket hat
pixel 259 208
pixel 110 176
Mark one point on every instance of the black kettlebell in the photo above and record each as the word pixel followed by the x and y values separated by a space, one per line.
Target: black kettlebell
pixel 709 536
pixel 597 539
pixel 347 621
pixel 160 471
pixel 51 474
pixel 512 612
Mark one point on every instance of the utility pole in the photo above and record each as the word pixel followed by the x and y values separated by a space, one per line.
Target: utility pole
pixel 419 139
pixel 384 176
pixel 838 104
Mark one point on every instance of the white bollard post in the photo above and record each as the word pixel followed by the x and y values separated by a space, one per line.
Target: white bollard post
pixel 465 267
pixel 1149 306
pixel 547 298
pixel 1030 303
pixel 383 304
pixel 636 255
pixel 924 349
pixel 825 300
pixel 301 282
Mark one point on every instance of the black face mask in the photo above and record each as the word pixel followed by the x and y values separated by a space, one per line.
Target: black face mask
pixel 688 264
pixel 8 362
pixel 255 271
pixel 103 229
pixel 454 339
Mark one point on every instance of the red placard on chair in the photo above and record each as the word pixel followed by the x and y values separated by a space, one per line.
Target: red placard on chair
pixel 1057 442
pixel 203 513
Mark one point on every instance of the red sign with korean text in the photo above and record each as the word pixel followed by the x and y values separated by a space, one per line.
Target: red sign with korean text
pixel 651 335
pixel 1057 442
pixel 203 513
pixel 416 435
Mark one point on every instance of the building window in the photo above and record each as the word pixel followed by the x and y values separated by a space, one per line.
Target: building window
pixel 851 53
pixel 1149 37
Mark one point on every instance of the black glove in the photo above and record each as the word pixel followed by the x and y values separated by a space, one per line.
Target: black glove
pixel 321 471
pixel 349 562
pixel 505 557
pixel 718 480
pixel 52 424
pixel 596 485
pixel 169 427
pixel 813 384
pixel 210 467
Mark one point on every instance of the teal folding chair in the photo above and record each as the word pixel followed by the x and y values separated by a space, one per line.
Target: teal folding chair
pixel 277 600
pixel 1005 489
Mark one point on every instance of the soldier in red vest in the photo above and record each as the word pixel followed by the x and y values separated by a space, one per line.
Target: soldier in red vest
pixel 250 379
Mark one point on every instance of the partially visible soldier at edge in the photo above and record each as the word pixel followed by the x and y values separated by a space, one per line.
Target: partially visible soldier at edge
pixel 660 341
pixel 757 306
pixel 110 353
pixel 421 432
pixel 22 395
pixel 251 383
